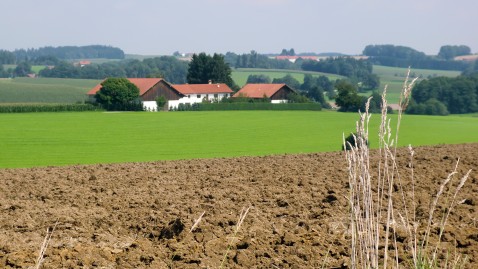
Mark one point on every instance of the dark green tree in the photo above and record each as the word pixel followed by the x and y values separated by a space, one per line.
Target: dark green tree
pixel 22 69
pixel 119 94
pixel 258 79
pixel 449 52
pixel 161 102
pixel 204 69
pixel 289 80
pixel 347 97
pixel 7 57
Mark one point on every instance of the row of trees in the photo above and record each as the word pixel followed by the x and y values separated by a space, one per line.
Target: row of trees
pixel 401 56
pixel 443 95
pixel 70 52
pixel 358 71
pixel 255 60
pixel 167 67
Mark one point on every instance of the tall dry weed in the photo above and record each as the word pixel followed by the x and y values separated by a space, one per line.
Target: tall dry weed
pixel 382 202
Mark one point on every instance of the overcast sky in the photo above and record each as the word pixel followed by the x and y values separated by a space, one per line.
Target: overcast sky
pixel 161 27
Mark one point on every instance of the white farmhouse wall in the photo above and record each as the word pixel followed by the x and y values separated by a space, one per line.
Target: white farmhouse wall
pixel 279 101
pixel 197 98
pixel 150 106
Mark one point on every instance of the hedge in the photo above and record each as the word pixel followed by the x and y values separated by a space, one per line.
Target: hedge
pixel 257 106
pixel 26 108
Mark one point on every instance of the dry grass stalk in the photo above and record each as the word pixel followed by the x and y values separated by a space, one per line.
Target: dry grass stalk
pixel 196 223
pixel 46 241
pixel 241 219
pixel 375 214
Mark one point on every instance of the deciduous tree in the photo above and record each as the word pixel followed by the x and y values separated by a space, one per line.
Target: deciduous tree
pixel 119 94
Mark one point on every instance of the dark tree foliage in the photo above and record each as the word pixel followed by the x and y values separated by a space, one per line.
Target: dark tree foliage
pixel 205 68
pixel 3 72
pixel 315 87
pixel 400 56
pixel 449 52
pixel 297 97
pixel 255 60
pixel 286 52
pixel 430 107
pixel 354 141
pixel 458 95
pixel 289 80
pixel 358 71
pixel 46 60
pixel 118 94
pixel 472 69
pixel 71 52
pixel 258 79
pixel 347 97
pixel 22 69
pixel 6 57
pixel 167 67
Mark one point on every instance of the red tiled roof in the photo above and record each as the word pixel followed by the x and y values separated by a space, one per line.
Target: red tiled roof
pixel 259 90
pixel 202 88
pixel 144 84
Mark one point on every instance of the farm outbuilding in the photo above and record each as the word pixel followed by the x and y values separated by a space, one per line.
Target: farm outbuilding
pixel 152 88
pixel 149 90
pixel 277 93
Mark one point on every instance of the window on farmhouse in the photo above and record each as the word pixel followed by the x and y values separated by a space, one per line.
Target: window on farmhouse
pixel 216 95
pixel 199 96
pixel 189 96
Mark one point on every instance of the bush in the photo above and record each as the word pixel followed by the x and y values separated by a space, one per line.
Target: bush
pixel 430 107
pixel 259 106
pixel 353 141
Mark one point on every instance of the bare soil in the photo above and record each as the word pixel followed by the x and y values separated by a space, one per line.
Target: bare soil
pixel 139 215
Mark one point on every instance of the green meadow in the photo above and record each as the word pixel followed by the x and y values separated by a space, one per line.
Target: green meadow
pixel 44 139
pixel 394 77
pixel 45 90
pixel 240 75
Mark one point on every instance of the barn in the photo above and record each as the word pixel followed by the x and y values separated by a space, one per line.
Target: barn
pixel 149 90
pixel 277 93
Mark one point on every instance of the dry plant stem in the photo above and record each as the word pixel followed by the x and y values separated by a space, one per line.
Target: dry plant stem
pixel 196 222
pixel 44 246
pixel 366 214
pixel 242 216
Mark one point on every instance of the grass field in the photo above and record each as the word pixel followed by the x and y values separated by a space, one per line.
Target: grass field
pixel 394 76
pixel 35 68
pixel 43 139
pixel 240 75
pixel 45 90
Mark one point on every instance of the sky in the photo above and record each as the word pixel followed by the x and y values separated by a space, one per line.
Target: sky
pixel 161 27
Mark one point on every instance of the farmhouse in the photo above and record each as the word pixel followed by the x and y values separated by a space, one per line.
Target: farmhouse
pixel 277 93
pixel 152 88
pixel 196 93
pixel 149 90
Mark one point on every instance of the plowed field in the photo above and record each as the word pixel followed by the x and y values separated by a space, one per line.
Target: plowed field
pixel 138 215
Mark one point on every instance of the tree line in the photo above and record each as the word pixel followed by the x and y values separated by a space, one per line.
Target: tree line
pixel 167 67
pixel 401 56
pixel 70 52
pixel 443 95
pixel 358 71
